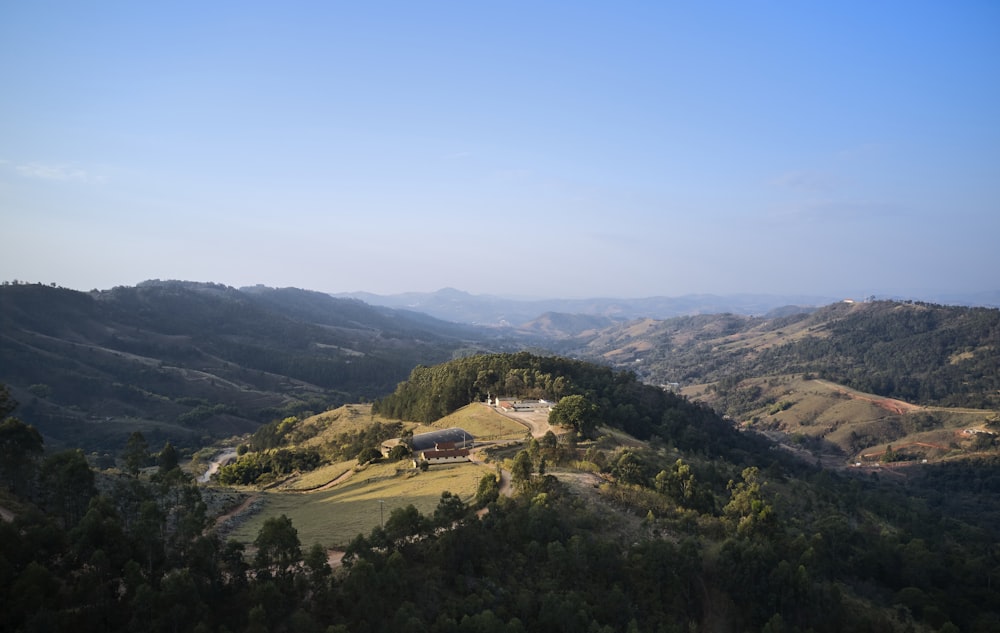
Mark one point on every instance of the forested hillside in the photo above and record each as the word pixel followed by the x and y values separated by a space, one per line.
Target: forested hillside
pixel 701 528
pixel 613 398
pixel 922 353
pixel 181 360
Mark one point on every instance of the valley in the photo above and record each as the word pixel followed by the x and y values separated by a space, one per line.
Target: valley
pixel 828 469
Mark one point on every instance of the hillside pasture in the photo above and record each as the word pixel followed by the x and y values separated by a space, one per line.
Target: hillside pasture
pixel 333 517
pixel 834 418
pixel 483 422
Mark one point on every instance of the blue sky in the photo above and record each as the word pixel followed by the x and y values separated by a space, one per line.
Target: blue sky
pixel 561 149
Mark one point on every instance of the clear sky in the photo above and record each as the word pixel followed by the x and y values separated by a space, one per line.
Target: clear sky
pixel 559 149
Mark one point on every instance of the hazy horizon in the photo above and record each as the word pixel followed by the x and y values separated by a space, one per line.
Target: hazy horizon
pixel 523 149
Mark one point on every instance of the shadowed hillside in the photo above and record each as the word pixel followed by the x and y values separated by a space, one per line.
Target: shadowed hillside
pixel 181 359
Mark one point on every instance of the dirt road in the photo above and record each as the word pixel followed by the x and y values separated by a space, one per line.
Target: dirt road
pixel 899 407
pixel 537 422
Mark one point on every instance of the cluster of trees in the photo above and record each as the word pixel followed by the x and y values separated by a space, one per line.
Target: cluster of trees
pixel 271 452
pixel 587 394
pixel 260 468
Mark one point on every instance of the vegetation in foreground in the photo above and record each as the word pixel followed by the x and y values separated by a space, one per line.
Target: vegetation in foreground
pixel 697 527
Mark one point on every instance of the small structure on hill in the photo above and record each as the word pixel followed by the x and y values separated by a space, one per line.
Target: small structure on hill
pixel 456 437
pixel 441 456
pixel 446 446
pixel 520 406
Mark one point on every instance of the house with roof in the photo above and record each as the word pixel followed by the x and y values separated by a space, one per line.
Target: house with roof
pixel 445 446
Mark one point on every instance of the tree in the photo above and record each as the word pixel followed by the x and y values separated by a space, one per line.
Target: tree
pixel 20 446
pixel 488 490
pixel 316 562
pixel 629 468
pixel 403 523
pixel 399 451
pixel 753 515
pixel 278 547
pixel 369 454
pixel 68 484
pixel 136 453
pixel 521 469
pixel 549 440
pixel 167 458
pixel 889 455
pixel 577 412
pixel 449 509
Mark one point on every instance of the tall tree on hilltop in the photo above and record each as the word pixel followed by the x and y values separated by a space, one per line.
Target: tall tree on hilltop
pixel 20 446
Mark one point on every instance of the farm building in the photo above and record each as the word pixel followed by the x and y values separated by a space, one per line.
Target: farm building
pixel 448 446
pixel 521 406
pixel 444 439
pixel 442 456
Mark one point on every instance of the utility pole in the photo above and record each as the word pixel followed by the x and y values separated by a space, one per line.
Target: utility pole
pixel 381 513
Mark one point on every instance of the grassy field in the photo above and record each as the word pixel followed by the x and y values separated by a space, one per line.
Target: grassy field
pixel 334 517
pixel 483 422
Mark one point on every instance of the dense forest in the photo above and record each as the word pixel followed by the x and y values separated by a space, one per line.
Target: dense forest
pixel 673 541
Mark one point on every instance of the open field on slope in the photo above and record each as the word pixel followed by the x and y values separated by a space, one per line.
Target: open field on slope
pixel 335 502
pixel 333 517
pixel 822 416
pixel 483 422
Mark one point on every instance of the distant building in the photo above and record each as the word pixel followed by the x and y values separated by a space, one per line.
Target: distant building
pixel 445 439
pixel 442 456
pixel 452 438
pixel 521 406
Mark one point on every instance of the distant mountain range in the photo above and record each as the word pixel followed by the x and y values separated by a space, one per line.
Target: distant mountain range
pixel 186 360
pixel 462 307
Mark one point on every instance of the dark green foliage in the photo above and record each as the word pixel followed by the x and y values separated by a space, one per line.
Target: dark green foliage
pixel 136 455
pixel 369 454
pixel 488 490
pixel 278 547
pixel 260 354
pixel 576 412
pixel 142 560
pixel 167 459
pixel 20 448
pixel 349 445
pixel 399 451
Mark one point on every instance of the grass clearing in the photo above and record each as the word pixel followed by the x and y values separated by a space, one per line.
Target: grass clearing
pixel 483 422
pixel 334 517
pixel 319 477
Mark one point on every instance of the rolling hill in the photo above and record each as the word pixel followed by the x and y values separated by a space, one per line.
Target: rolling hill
pixel 829 376
pixel 183 360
